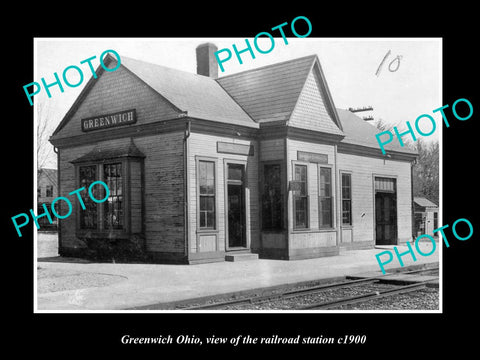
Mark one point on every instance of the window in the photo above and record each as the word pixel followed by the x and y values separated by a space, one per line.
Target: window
pixel 206 185
pixel 88 217
pixel 118 216
pixel 112 210
pixel 325 198
pixel 272 204
pixel 113 207
pixel 49 191
pixel 300 197
pixel 346 199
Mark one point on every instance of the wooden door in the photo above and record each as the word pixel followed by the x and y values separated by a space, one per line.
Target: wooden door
pixel 386 218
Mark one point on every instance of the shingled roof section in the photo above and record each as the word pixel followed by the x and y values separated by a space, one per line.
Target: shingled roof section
pixel 358 132
pixel 269 93
pixel 107 151
pixel 200 96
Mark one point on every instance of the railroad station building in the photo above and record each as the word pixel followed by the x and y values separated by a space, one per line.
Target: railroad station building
pixel 203 168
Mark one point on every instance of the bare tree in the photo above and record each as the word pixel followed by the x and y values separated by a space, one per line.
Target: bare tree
pixel 426 171
pixel 44 148
pixel 426 168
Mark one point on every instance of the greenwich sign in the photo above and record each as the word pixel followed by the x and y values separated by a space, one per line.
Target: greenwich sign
pixel 110 120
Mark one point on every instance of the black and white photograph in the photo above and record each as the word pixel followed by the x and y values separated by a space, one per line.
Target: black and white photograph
pixel 240 184
pixel 253 186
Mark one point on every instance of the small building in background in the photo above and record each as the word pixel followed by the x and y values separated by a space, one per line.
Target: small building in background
pixel 426 216
pixel 47 191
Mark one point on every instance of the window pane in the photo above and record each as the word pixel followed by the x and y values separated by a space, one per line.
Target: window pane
pixel 300 204
pixel 300 219
pixel 202 170
pixel 235 171
pixel 88 217
pixel 346 212
pixel 113 207
pixel 325 182
pixel 210 186
pixel 206 196
pixel 301 212
pixel 301 172
pixel 210 206
pixel 346 199
pixel 325 212
pixel 210 219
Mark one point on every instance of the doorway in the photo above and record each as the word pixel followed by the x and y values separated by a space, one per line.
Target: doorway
pixel 236 209
pixel 385 211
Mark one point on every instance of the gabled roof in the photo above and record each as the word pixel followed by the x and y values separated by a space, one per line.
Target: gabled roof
pixel 359 132
pixel 194 95
pixel 199 96
pixel 270 93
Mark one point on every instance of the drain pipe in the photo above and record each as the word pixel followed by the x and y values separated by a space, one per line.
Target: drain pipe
pixel 185 185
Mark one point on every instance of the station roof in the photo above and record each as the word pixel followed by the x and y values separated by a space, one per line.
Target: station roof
pixel 199 96
pixel 358 132
pixel 266 94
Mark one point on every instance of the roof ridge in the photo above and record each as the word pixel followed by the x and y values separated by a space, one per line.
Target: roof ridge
pixel 166 67
pixel 313 56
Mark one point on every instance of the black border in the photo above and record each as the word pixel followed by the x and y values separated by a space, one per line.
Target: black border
pixel 100 334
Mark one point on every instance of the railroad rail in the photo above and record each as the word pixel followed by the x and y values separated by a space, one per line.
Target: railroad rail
pixel 365 297
pixel 319 288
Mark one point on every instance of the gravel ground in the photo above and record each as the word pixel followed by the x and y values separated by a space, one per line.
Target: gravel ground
pixel 52 280
pixel 423 299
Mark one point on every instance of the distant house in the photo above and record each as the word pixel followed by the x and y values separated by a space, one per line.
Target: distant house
pixel 47 191
pixel 426 216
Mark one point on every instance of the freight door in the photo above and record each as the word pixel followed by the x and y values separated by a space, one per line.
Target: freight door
pixel 385 211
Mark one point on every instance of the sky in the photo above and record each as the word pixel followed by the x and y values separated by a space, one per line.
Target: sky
pixel 408 85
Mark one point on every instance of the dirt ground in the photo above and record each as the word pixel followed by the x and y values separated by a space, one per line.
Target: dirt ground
pixel 52 280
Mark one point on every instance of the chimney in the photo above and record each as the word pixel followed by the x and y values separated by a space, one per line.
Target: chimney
pixel 206 62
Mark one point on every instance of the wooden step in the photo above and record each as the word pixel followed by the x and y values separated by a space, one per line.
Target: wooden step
pixel 243 256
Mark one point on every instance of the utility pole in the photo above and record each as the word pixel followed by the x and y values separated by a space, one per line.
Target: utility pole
pixel 365 108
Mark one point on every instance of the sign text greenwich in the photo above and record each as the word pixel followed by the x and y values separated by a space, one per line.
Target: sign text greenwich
pixel 125 117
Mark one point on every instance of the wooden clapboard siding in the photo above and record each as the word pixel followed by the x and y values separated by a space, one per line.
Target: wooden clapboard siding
pixel 206 146
pixel 136 196
pixel 313 237
pixel 163 173
pixel 311 111
pixel 272 149
pixel 69 183
pixel 363 169
pixel 117 91
pixel 303 240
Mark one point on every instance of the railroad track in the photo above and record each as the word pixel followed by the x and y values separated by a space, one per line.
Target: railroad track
pixel 366 297
pixel 293 293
